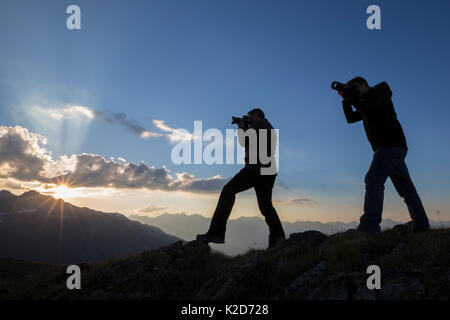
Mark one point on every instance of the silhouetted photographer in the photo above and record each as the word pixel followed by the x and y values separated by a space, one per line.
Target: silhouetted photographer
pixel 259 173
pixel 373 105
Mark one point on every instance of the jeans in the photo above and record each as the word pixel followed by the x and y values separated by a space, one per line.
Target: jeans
pixel 390 162
pixel 244 180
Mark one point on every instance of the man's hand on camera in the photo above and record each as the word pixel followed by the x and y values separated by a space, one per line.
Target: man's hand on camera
pixel 241 124
pixel 341 93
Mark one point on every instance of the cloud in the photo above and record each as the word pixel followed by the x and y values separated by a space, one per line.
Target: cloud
pixel 23 157
pixel 162 126
pixel 121 119
pixel 129 124
pixel 82 112
pixel 68 112
pixel 152 208
pixel 12 185
pixel 174 133
pixel 299 202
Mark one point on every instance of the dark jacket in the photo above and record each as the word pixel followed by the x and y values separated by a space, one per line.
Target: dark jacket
pixel 377 112
pixel 257 125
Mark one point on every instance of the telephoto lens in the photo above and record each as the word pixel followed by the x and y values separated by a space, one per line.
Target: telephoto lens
pixel 338 86
pixel 235 120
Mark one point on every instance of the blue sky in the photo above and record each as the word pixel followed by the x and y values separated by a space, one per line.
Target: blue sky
pixel 180 61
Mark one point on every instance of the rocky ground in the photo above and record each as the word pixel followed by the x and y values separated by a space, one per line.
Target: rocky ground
pixel 309 265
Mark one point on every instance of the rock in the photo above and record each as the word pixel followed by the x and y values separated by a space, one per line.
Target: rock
pixel 357 287
pixel 125 276
pixel 352 286
pixel 197 247
pixel 180 248
pixel 301 286
pixel 343 286
pixel 333 288
pixel 240 281
pixel 312 237
pixel 405 227
pixel 400 286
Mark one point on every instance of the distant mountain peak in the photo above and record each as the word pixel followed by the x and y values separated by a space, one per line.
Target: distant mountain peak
pixel 6 193
pixel 31 193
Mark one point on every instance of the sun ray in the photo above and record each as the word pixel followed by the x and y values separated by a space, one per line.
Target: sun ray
pixel 43 223
pixel 44 202
pixel 61 224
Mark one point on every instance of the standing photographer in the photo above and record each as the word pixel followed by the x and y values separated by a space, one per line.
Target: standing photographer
pixel 384 132
pixel 251 176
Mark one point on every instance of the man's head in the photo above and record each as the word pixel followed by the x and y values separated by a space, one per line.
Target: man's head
pixel 256 114
pixel 360 84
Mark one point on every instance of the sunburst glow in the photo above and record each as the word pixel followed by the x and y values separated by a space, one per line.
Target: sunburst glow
pixel 63 192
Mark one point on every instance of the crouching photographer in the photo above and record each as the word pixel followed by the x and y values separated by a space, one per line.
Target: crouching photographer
pixel 373 106
pixel 259 172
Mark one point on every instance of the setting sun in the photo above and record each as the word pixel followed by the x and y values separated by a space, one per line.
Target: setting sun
pixel 63 192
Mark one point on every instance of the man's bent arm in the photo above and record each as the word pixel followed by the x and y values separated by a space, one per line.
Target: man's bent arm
pixel 350 115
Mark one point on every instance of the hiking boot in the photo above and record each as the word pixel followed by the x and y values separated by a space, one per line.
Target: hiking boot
pixel 412 227
pixel 207 238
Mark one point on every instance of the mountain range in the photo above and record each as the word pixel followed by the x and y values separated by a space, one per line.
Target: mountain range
pixel 40 228
pixel 246 233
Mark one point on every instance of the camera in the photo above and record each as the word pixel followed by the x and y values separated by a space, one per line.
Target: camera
pixel 244 118
pixel 338 86
pixel 348 91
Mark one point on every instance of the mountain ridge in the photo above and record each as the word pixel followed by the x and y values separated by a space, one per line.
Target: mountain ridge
pixel 40 228
pixel 244 233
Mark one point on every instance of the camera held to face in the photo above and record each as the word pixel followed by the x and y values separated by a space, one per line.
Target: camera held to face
pixel 348 91
pixel 246 119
